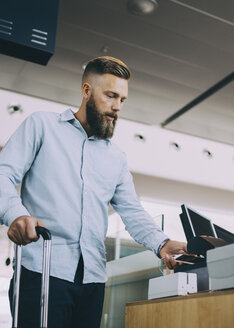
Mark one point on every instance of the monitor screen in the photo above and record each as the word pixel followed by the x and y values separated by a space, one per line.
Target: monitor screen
pixel 195 224
pixel 186 226
pixel 224 234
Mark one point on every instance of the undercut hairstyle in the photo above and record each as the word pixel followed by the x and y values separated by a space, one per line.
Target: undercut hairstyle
pixel 106 65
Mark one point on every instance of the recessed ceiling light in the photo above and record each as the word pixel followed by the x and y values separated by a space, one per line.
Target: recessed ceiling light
pixel 175 146
pixel 140 137
pixel 84 64
pixel 207 153
pixel 142 7
pixel 14 108
pixel 105 49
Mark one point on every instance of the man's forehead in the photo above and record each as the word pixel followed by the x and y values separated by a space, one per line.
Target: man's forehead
pixel 109 82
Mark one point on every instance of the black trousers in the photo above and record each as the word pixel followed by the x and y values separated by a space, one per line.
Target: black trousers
pixel 71 305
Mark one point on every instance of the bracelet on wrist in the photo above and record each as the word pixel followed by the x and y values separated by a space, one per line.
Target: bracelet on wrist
pixel 161 246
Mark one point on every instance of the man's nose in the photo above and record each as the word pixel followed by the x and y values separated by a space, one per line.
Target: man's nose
pixel 117 105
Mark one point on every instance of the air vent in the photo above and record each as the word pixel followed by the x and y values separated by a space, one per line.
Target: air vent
pixel 6 26
pixel 39 37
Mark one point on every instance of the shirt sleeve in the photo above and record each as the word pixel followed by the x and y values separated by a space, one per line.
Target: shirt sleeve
pixel 15 160
pixel 138 222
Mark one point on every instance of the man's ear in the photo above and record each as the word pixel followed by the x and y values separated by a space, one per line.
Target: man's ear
pixel 86 90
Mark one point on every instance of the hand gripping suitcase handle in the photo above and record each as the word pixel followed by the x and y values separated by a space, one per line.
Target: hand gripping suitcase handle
pixel 46 235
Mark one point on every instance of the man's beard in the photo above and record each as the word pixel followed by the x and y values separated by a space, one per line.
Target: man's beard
pixel 100 127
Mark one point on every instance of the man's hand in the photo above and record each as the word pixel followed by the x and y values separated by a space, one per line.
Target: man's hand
pixel 22 230
pixel 172 247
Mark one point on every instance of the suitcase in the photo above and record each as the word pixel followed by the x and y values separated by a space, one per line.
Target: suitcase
pixel 44 283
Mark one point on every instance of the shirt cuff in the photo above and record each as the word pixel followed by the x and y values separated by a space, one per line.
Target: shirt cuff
pixel 13 213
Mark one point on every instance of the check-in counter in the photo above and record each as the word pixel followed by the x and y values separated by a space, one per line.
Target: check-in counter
pixel 128 282
pixel 201 310
pixel 212 308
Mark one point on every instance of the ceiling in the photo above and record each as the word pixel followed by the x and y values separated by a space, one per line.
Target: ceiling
pixel 175 54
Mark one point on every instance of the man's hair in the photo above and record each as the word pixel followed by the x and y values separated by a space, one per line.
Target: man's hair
pixel 106 65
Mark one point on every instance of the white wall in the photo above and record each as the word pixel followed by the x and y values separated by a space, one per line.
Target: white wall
pixel 156 155
pixel 172 191
pixel 8 123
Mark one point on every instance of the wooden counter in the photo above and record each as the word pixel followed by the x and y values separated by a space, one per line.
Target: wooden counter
pixel 202 310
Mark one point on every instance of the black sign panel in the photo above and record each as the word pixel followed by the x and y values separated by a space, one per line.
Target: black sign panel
pixel 28 29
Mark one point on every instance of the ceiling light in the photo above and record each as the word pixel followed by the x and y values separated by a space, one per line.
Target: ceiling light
pixel 142 7
pixel 84 64
pixel 140 137
pixel 207 153
pixel 175 146
pixel 105 49
pixel 14 108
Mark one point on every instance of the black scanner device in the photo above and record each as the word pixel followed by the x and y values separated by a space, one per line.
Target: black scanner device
pixel 199 245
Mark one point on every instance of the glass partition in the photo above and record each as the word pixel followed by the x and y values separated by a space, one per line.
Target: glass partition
pixel 119 243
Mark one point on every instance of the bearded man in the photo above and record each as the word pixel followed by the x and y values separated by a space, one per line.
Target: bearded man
pixel 70 172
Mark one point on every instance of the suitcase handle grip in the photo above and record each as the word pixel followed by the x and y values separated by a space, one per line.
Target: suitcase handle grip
pixel 45 233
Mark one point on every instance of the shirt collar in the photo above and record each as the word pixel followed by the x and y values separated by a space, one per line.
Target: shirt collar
pixel 68 115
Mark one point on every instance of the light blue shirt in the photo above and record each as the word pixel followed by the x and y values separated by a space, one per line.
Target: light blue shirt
pixel 68 180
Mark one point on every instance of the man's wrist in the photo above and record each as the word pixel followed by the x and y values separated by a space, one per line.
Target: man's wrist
pixel 161 246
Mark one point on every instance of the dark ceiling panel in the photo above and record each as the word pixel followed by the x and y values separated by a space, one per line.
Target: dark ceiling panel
pixel 220 8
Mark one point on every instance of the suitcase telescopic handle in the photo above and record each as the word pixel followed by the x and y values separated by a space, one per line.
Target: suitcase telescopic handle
pixel 46 235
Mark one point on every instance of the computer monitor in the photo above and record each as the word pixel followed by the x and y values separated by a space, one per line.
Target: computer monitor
pixel 195 224
pixel 188 231
pixel 224 234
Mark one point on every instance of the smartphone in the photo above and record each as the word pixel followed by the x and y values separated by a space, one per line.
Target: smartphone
pixel 190 259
